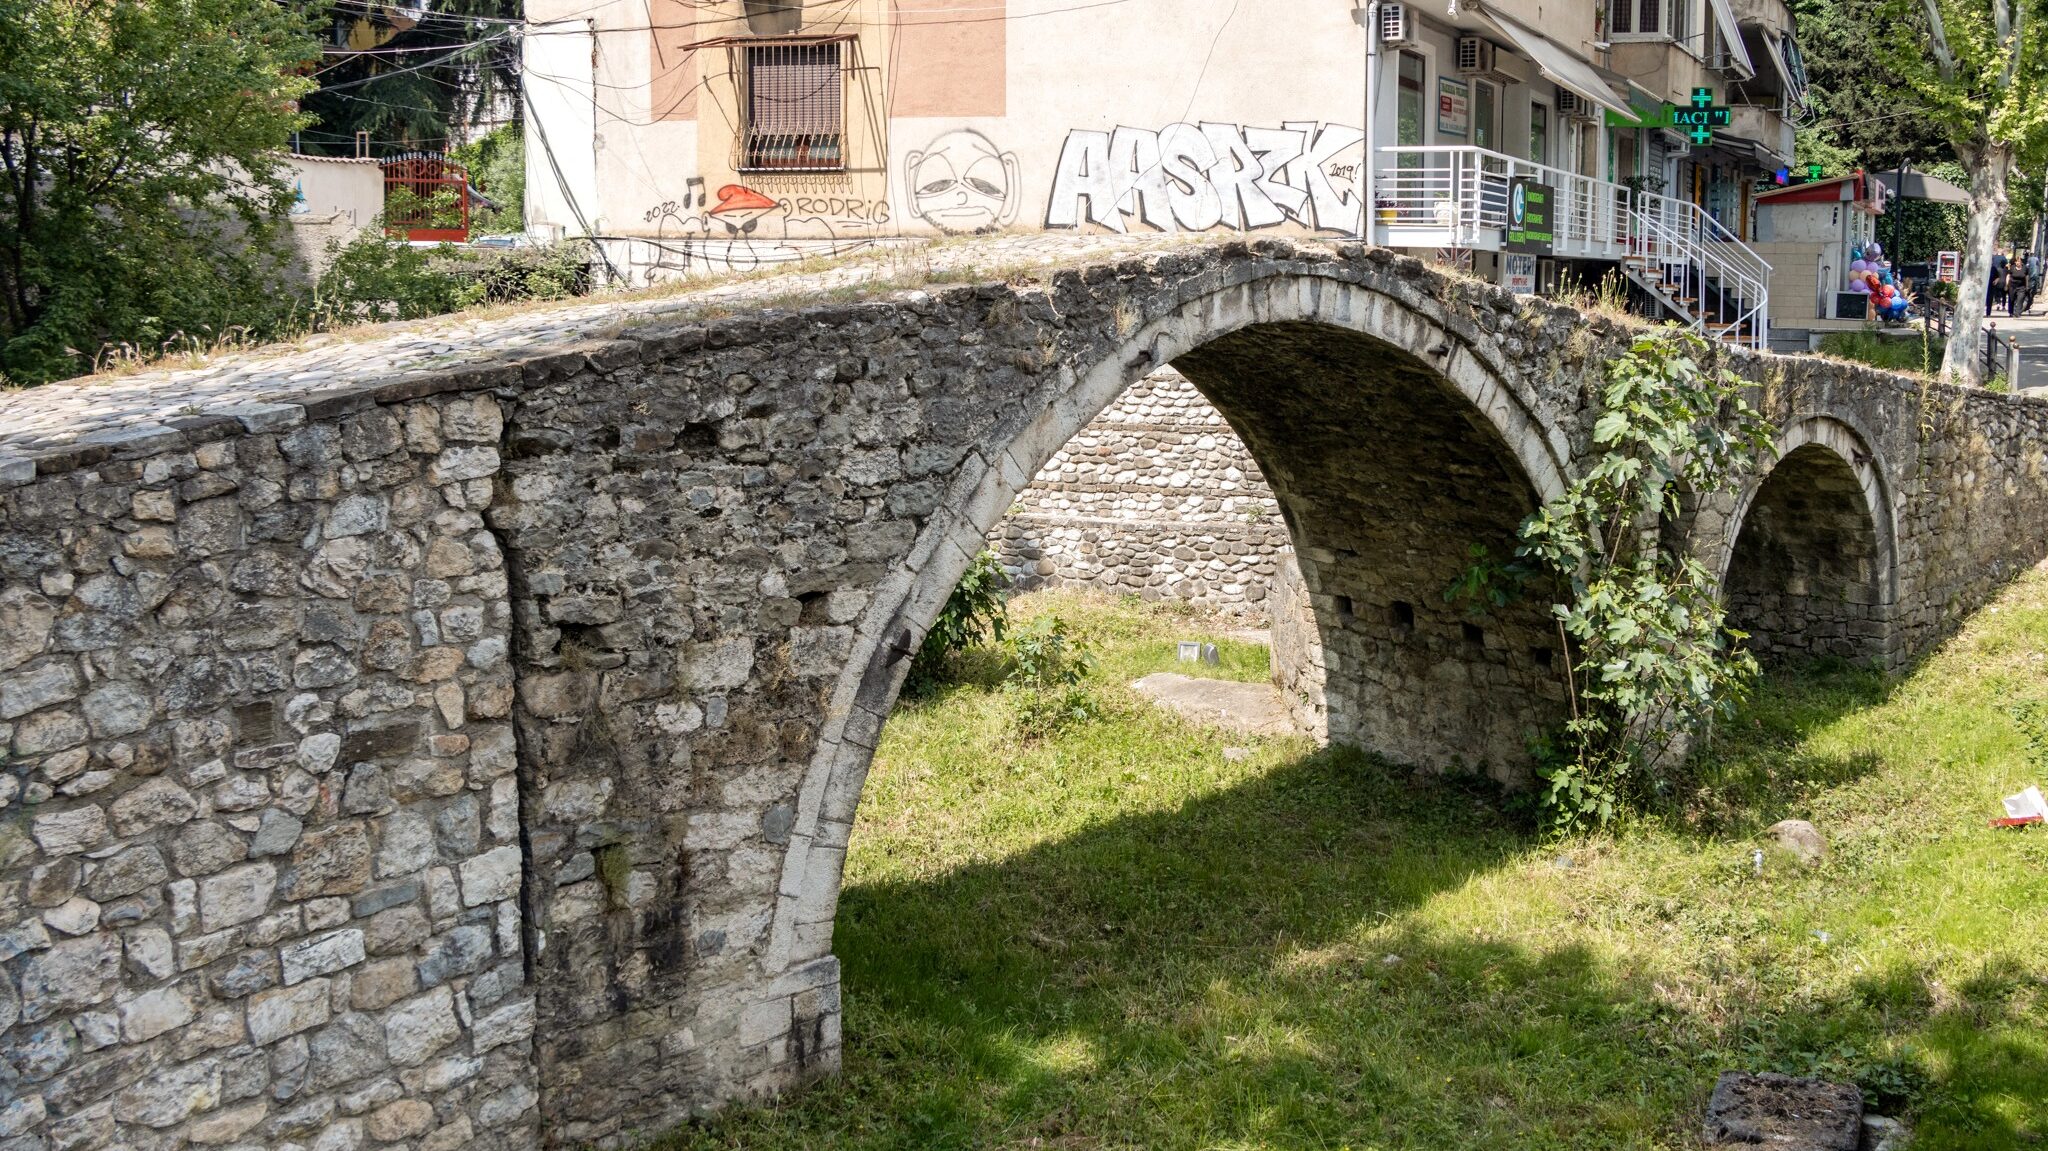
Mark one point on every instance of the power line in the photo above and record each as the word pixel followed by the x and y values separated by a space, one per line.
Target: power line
pixel 413 68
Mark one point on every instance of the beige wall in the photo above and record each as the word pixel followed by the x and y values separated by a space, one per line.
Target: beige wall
pixel 353 189
pixel 1010 114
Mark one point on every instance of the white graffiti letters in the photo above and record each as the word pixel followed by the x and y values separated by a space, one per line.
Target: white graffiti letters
pixel 1194 177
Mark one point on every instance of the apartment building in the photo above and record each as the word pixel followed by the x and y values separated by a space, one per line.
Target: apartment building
pixel 688 136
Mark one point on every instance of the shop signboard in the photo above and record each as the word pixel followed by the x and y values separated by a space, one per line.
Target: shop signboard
pixel 1518 273
pixel 1529 214
pixel 1453 107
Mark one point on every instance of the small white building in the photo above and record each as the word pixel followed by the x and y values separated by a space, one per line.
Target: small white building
pixel 334 198
pixel 1808 232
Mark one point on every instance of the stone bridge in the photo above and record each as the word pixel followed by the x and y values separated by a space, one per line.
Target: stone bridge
pixel 451 736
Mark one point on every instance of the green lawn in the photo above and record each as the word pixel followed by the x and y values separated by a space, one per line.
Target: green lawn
pixel 1121 938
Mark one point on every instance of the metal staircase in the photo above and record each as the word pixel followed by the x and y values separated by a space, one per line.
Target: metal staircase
pixel 1697 270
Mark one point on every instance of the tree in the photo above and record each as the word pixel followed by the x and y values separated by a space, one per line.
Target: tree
pixel 414 79
pixel 1853 90
pixel 140 145
pixel 1981 75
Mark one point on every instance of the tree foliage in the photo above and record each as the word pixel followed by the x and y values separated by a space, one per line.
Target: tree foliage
pixel 140 145
pixel 1648 656
pixel 1858 119
pixel 414 79
pixel 496 163
pixel 1977 71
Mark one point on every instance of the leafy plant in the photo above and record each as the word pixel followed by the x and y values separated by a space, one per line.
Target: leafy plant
pixel 1046 683
pixel 1648 658
pixel 975 613
pixel 405 208
pixel 496 162
pixel 376 278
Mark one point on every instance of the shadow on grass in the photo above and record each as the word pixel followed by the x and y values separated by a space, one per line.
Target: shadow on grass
pixel 1258 968
pixel 1755 767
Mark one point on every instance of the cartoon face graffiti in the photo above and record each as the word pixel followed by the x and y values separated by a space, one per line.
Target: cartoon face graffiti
pixel 962 183
pixel 740 209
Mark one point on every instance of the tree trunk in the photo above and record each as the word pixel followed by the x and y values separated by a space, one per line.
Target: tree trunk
pixel 1988 164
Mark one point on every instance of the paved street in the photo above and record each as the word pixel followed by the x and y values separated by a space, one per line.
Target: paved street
pixel 2031 330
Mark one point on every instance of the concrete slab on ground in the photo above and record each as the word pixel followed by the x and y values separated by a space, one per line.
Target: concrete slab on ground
pixel 1252 708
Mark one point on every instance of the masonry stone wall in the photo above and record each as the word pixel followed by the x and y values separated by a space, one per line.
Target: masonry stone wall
pixel 1806 579
pixel 1297 650
pixel 259 828
pixel 466 754
pixel 1156 497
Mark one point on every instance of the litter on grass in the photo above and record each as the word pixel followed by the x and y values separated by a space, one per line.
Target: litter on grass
pixel 2020 810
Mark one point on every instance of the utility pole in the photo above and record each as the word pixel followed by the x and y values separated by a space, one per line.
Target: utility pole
pixel 1369 16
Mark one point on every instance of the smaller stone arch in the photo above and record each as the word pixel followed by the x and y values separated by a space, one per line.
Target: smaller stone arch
pixel 1808 565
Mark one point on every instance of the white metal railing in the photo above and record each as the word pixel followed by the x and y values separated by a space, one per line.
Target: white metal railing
pixel 1460 193
pixel 1674 236
pixel 1457 196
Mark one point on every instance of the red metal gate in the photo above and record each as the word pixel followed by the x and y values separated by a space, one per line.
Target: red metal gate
pixel 426 197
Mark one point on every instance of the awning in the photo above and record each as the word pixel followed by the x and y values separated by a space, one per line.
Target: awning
pixel 1731 35
pixel 1559 65
pixel 1921 186
pixel 1766 44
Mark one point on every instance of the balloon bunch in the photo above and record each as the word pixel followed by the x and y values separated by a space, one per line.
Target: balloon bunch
pixel 1870 274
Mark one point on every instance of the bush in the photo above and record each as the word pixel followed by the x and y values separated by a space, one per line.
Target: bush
pixel 374 278
pixel 1046 682
pixel 1893 353
pixel 974 613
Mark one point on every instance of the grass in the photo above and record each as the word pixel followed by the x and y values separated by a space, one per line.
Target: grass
pixel 1902 353
pixel 1121 938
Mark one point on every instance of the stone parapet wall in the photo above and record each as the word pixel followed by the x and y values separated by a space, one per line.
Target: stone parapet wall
pixel 1157 497
pixel 260 856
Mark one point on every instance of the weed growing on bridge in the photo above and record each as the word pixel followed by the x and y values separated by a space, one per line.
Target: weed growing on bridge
pixel 973 614
pixel 1648 658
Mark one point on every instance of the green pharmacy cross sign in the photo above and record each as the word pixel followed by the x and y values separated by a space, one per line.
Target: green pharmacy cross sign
pixel 1700 120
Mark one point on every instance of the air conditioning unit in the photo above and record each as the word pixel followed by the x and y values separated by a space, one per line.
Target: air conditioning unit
pixel 1476 56
pixel 1574 106
pixel 1398 26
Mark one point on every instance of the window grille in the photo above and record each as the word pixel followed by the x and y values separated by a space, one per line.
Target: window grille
pixel 796 108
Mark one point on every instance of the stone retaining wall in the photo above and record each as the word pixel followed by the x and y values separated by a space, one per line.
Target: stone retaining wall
pixel 1157 497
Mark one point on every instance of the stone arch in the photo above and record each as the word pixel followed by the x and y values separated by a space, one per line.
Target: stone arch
pixel 1808 565
pixel 1471 374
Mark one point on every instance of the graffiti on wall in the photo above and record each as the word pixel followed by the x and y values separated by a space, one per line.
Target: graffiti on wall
pixel 962 184
pixel 742 228
pixel 1193 177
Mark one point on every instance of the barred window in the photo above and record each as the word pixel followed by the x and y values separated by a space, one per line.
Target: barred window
pixel 795 108
pixel 1635 17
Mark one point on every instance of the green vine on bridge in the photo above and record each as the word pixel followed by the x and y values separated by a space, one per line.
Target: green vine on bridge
pixel 1648 657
